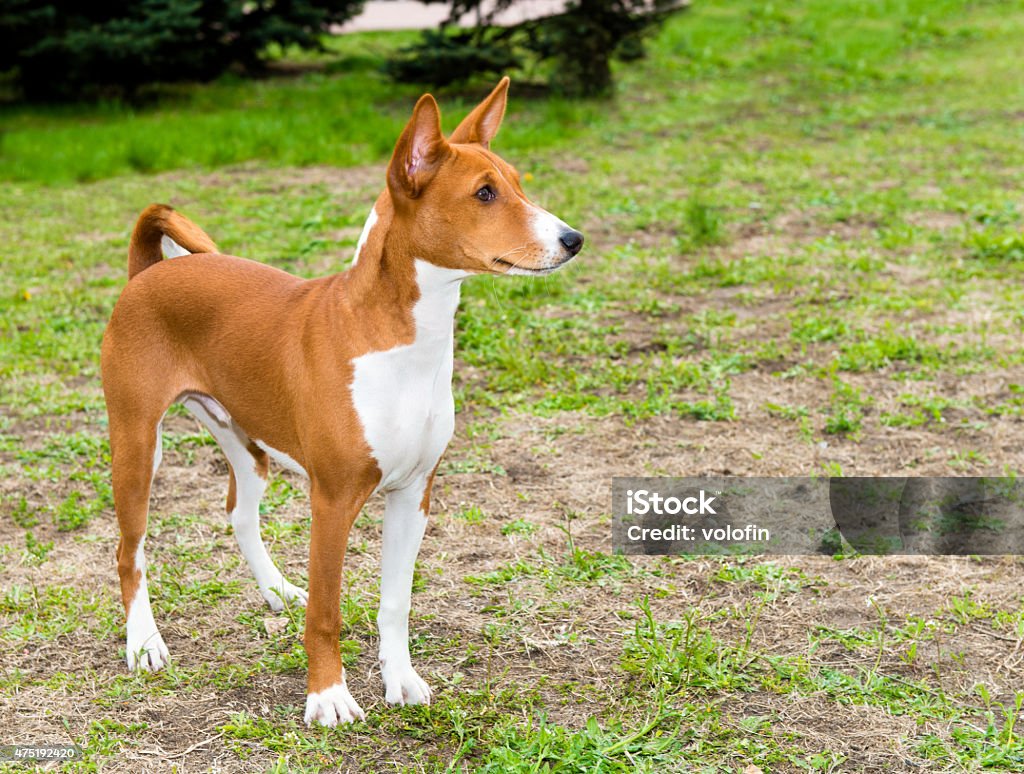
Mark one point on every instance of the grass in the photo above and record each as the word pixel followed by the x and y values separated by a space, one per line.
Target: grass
pixel 345 113
pixel 804 255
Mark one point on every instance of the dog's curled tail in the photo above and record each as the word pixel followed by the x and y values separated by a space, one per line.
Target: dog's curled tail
pixel 156 222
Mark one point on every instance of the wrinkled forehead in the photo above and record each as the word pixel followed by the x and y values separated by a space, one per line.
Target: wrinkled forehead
pixel 478 161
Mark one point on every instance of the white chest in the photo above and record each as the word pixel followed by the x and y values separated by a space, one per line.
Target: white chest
pixel 403 396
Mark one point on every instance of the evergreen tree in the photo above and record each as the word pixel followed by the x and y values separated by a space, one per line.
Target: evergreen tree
pixel 71 49
pixel 577 45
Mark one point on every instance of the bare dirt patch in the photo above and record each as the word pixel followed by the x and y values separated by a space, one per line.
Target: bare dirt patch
pixel 565 645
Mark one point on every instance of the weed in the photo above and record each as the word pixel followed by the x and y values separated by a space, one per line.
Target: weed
pixel 846 409
pixel 814 217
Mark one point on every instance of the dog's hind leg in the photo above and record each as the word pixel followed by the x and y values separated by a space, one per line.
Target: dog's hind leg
pixel 135 455
pixel 248 467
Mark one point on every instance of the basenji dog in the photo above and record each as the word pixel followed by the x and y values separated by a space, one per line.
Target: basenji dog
pixel 344 379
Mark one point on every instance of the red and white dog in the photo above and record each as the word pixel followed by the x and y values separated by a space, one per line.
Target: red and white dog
pixel 345 379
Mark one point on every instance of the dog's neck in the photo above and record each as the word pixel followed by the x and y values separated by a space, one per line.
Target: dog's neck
pixel 410 295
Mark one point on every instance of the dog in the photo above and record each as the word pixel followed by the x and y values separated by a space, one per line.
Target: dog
pixel 344 379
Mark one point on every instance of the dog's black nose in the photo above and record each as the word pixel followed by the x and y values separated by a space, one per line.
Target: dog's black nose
pixel 572 241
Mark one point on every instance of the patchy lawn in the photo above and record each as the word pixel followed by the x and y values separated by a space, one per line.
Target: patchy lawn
pixel 805 256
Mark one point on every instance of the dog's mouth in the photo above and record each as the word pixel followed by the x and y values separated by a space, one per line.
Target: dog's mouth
pixel 514 268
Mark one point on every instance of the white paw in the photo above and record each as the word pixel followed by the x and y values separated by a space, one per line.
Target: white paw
pixel 147 654
pixel 401 683
pixel 282 593
pixel 332 706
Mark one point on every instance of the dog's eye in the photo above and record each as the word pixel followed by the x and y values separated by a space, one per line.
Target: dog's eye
pixel 486 194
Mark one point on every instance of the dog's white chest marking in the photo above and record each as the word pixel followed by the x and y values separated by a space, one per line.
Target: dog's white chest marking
pixel 403 396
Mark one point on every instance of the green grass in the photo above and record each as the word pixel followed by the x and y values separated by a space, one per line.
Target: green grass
pixel 804 249
pixel 346 114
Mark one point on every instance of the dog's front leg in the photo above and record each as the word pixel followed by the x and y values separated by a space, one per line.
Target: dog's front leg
pixel 328 700
pixel 405 519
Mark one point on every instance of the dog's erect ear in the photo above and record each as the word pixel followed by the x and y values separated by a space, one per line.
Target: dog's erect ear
pixel 482 124
pixel 419 151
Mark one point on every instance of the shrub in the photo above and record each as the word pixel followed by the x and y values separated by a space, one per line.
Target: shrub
pixel 60 49
pixel 577 45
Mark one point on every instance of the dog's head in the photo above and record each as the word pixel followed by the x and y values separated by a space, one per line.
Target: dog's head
pixel 464 204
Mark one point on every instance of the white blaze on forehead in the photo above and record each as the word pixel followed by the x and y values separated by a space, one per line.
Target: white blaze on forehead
pixel 371 221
